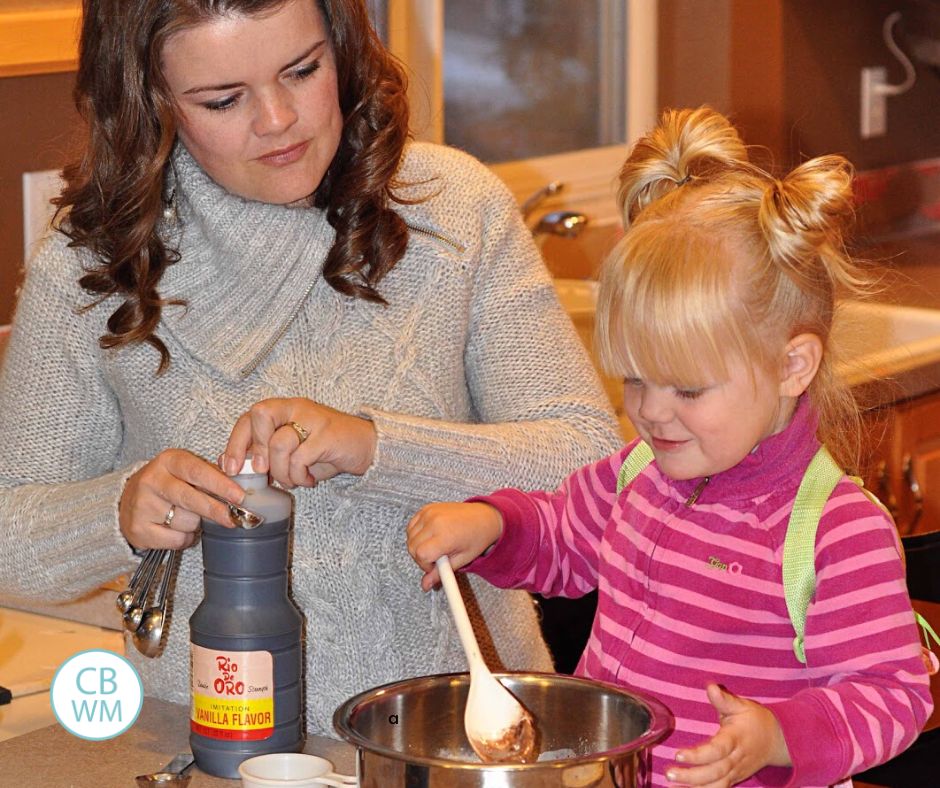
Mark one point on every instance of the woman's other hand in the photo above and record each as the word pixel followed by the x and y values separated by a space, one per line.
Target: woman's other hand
pixel 160 506
pixel 300 442
pixel 462 531
pixel 749 739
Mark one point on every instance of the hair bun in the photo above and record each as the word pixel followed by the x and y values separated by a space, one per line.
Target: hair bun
pixel 810 207
pixel 687 145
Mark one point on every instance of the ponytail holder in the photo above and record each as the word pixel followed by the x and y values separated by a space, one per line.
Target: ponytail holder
pixel 685 180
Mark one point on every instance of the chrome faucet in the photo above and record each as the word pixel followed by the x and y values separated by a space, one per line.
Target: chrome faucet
pixel 567 224
pixel 533 202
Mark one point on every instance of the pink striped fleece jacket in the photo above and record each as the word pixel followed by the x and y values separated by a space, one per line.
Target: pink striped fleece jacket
pixel 694 594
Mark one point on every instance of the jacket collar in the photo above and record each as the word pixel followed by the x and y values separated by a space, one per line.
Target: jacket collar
pixel 245 269
pixel 776 463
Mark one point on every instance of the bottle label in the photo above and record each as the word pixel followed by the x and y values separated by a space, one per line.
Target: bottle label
pixel 232 694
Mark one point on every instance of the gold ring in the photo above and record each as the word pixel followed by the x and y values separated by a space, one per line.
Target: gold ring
pixel 170 515
pixel 301 432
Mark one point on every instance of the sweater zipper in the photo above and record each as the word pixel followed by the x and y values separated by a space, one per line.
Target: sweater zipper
pixel 262 354
pixel 697 491
pixel 437 236
pixel 245 371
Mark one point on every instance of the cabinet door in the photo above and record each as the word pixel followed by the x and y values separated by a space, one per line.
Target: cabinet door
pixel 921 474
pixel 916 464
pixel 876 457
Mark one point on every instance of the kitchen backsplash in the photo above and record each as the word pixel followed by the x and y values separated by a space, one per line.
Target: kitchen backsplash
pixel 899 200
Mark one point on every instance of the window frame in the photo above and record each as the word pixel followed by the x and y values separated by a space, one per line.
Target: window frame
pixel 415 30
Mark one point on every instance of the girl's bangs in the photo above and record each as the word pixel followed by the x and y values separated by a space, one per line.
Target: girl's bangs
pixel 671 312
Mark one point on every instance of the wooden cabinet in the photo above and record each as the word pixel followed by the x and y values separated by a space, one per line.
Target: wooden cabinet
pixel 875 456
pixel 902 461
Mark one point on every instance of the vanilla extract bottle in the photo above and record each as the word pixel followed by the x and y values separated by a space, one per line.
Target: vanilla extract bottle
pixel 245 638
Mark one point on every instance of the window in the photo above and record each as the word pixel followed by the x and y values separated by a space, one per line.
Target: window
pixel 541 89
pixel 532 77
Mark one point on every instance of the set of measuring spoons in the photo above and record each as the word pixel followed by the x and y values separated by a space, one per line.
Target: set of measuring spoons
pixel 143 604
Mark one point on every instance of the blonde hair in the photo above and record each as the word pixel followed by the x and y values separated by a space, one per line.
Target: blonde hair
pixel 721 260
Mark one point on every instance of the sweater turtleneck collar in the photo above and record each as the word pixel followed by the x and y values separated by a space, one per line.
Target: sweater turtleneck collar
pixel 245 269
pixel 776 463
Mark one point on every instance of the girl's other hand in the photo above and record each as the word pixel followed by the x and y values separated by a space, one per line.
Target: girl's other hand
pixel 160 506
pixel 299 442
pixel 462 531
pixel 749 739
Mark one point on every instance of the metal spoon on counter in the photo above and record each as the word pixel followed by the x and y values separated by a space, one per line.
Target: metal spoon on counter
pixel 173 774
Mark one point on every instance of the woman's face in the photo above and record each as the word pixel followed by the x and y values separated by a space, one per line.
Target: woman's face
pixel 258 100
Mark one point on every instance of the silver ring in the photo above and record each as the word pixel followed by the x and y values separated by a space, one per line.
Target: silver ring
pixel 170 515
pixel 301 432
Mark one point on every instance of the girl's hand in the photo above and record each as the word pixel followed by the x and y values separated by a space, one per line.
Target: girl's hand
pixel 160 507
pixel 749 739
pixel 460 530
pixel 299 442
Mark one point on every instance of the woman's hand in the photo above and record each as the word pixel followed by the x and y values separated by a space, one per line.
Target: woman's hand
pixel 462 531
pixel 160 507
pixel 300 442
pixel 749 739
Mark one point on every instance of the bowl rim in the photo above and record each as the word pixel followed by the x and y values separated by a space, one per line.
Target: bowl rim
pixel 661 723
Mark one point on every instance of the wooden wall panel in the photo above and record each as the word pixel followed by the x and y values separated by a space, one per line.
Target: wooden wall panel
pixel 827 44
pixel 788 72
pixel 38 126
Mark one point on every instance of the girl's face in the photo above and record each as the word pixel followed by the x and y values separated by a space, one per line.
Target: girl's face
pixel 258 101
pixel 704 431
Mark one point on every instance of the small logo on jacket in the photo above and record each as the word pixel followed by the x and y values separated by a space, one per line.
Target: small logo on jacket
pixel 734 568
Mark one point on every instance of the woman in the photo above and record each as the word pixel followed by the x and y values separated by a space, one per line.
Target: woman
pixel 247 226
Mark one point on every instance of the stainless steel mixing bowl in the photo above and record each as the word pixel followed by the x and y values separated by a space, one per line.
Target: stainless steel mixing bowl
pixel 410 734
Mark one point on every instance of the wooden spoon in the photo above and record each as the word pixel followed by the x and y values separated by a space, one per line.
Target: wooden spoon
pixel 498 727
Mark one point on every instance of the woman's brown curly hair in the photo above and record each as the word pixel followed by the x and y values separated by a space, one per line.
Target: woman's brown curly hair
pixel 114 195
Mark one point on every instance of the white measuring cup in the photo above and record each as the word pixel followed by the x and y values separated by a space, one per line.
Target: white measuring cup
pixel 291 770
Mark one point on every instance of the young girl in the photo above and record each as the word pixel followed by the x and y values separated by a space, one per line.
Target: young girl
pixel 717 309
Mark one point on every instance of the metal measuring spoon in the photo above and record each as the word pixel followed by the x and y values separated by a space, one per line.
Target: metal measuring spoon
pixel 240 516
pixel 173 774
pixel 149 634
pixel 125 600
pixel 136 611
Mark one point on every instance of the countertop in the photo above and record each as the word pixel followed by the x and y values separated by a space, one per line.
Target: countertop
pixel 908 268
pixel 53 758
pixel 32 647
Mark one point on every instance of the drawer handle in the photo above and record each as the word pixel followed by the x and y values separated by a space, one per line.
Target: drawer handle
pixel 885 493
pixel 916 492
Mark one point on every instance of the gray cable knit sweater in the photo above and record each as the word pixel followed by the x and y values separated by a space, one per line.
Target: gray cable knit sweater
pixel 472 374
